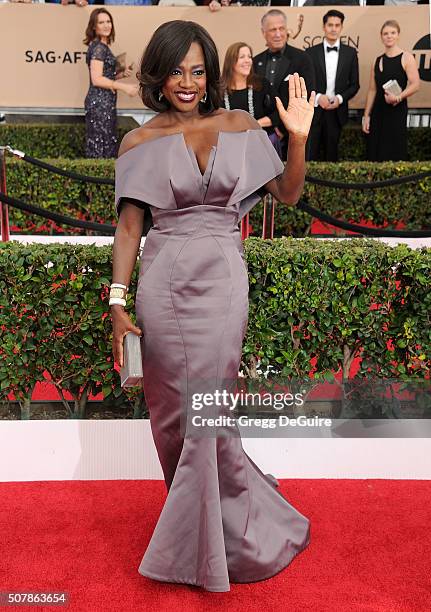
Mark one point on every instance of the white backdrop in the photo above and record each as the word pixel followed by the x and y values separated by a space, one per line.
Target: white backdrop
pixel 124 449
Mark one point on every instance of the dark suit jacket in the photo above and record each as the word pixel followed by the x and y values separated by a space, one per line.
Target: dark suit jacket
pixel 292 60
pixel 346 79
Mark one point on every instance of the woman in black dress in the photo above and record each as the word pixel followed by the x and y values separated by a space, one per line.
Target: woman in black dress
pixel 245 90
pixel 101 99
pixel 385 115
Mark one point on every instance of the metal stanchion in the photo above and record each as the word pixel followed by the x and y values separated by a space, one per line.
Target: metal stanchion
pixel 268 217
pixel 4 211
pixel 245 227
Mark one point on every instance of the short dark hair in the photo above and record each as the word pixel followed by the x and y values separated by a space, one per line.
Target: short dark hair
pixel 333 13
pixel 90 32
pixel 167 48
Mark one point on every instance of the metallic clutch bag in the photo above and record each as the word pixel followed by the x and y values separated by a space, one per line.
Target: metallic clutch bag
pixel 393 87
pixel 131 373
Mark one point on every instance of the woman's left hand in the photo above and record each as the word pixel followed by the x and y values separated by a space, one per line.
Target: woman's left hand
pixel 298 116
pixel 391 99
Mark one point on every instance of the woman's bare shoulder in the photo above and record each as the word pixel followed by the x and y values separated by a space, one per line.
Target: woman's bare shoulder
pixel 239 121
pixel 229 121
pixel 408 58
pixel 141 134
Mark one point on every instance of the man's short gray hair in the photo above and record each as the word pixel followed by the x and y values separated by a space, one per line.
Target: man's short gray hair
pixel 273 13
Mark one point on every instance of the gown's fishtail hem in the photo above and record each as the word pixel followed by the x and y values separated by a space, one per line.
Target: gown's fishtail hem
pixel 209 584
pixel 291 554
pixel 279 568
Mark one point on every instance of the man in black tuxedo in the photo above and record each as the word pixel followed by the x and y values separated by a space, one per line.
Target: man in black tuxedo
pixel 337 80
pixel 279 61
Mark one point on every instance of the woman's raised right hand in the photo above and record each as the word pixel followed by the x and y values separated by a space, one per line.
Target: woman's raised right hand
pixel 297 117
pixel 121 325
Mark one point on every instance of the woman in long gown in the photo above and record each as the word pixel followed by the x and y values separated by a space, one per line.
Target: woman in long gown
pixel 385 115
pixel 101 100
pixel 195 169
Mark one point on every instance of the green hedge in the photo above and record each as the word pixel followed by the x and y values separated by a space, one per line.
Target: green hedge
pixel 67 140
pixel 56 193
pixel 409 203
pixel 50 139
pixel 311 301
pixel 352 144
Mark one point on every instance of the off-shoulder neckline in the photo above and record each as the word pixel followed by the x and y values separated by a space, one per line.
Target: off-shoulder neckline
pixel 219 133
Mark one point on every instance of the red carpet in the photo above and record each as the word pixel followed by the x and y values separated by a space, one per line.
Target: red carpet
pixel 321 228
pixel 369 551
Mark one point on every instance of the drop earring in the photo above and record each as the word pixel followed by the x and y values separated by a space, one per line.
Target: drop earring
pixel 204 98
pixel 160 96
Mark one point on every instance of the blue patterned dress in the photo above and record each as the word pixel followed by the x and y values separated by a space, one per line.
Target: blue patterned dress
pixel 101 107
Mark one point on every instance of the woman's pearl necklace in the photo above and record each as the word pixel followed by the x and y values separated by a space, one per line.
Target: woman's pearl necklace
pixel 250 101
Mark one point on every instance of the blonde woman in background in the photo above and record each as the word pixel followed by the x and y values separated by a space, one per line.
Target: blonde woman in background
pixel 385 115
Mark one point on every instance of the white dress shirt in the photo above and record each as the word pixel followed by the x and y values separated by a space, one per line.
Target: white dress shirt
pixel 331 63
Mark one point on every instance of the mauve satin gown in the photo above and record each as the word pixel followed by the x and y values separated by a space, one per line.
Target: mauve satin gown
pixel 223 520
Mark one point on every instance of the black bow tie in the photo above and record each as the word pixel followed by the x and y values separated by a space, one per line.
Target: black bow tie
pixel 328 49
